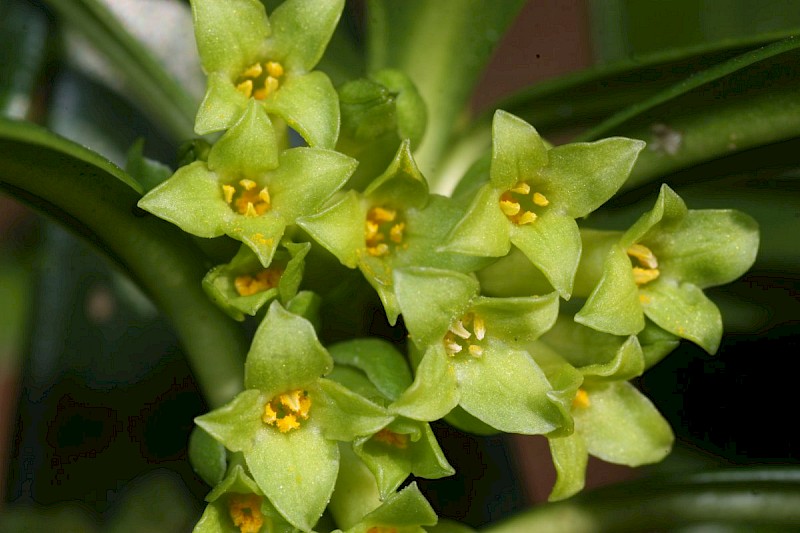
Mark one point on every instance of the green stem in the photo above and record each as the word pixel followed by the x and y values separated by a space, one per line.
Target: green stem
pixel 89 195
pixel 752 498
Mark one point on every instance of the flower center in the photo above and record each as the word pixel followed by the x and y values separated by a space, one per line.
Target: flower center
pixel 260 80
pixel 267 278
pixel 463 335
pixel 518 203
pixel 645 267
pixel 245 511
pixel 284 410
pixel 581 399
pixel 398 440
pixel 383 231
pixel 246 199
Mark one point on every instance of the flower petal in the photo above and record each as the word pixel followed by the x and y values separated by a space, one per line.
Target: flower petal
pixel 518 152
pixel 434 391
pixel 302 29
pixel 344 415
pixel 229 34
pixel 249 148
pixel 235 423
pixel 484 230
pixel 570 458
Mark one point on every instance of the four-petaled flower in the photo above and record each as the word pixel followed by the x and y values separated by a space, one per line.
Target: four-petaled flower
pixel 247 189
pixel 534 195
pixel 661 265
pixel 250 58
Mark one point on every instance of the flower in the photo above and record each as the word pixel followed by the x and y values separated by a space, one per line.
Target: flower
pixel 401 512
pixel 247 189
pixel 376 370
pixel 660 266
pixel 611 419
pixel 249 58
pixel 534 195
pixel 287 421
pixel 473 353
pixel 394 223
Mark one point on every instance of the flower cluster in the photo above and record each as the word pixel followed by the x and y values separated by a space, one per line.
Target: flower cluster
pixel 488 349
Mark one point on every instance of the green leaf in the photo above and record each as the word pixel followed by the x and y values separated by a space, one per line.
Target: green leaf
pixel 507 390
pixel 583 176
pixel 683 310
pixel 97 200
pixel 310 105
pixel 339 228
pixel 236 423
pixel 287 342
pixel 570 458
pixel 614 306
pixel 434 391
pixel 385 367
pixel 302 29
pixel 344 415
pixel 229 43
pixel 431 299
pixel 710 247
pixel 296 470
pixel 484 230
pixel 144 78
pixel 444 60
pixel 553 244
pixel 621 426
pixel 518 152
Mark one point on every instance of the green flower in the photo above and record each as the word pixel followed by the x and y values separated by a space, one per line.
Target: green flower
pixel 394 223
pixel 612 419
pixel 534 195
pixel 660 266
pixel 244 286
pixel 237 505
pixel 473 355
pixel 246 189
pixel 376 370
pixel 287 421
pixel 251 59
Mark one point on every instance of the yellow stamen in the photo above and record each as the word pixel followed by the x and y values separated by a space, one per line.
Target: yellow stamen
pixel 283 410
pixel 227 192
pixel 396 233
pixel 251 210
pixel 645 256
pixel 253 71
pixel 479 327
pixel 509 208
pixel 521 188
pixel 263 195
pixel 459 329
pixel 247 285
pixel 245 512
pixel 269 416
pixel 398 440
pixel 378 251
pixel 581 399
pixel 382 214
pixel 247 184
pixel 475 350
pixel 540 199
pixel 274 69
pixel 645 275
pixel 287 423
pixel 526 218
pixel 246 88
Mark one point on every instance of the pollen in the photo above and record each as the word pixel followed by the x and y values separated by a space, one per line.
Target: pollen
pixel 383 231
pixel 645 267
pixel 581 399
pixel 519 205
pixel 465 335
pixel 246 199
pixel 245 512
pixel 398 440
pixel 260 80
pixel 265 279
pixel 286 410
